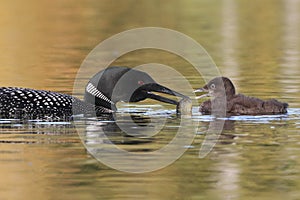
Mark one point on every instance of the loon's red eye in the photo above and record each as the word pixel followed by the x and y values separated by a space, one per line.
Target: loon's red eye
pixel 141 82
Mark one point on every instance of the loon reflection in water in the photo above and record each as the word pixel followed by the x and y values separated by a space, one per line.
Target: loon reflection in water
pixel 102 92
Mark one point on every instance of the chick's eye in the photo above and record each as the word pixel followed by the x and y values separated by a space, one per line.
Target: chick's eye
pixel 212 86
pixel 141 82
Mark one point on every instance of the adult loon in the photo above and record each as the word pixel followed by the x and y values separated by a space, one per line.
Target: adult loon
pixel 237 103
pixel 102 93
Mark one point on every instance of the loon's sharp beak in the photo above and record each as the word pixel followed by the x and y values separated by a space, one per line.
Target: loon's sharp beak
pixel 154 87
pixel 160 98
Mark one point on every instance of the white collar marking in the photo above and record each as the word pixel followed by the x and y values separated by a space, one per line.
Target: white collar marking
pixel 90 88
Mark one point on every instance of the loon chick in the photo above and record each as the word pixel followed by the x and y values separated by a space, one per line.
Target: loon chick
pixel 102 93
pixel 237 103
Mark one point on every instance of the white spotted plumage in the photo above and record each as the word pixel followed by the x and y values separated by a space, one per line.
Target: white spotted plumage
pixel 33 103
pixel 24 103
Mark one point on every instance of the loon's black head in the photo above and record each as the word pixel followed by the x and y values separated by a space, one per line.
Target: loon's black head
pixel 115 84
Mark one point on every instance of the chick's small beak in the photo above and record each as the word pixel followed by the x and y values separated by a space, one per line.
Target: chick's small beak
pixel 202 90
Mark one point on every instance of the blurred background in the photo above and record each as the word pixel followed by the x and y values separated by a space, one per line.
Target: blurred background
pixel 256 44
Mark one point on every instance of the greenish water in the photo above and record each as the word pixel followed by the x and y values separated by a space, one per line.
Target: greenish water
pixel 256 44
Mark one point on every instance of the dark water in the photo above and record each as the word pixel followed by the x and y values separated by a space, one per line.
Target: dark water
pixel 256 44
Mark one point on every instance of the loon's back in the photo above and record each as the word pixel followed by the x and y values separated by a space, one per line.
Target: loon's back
pixel 24 103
